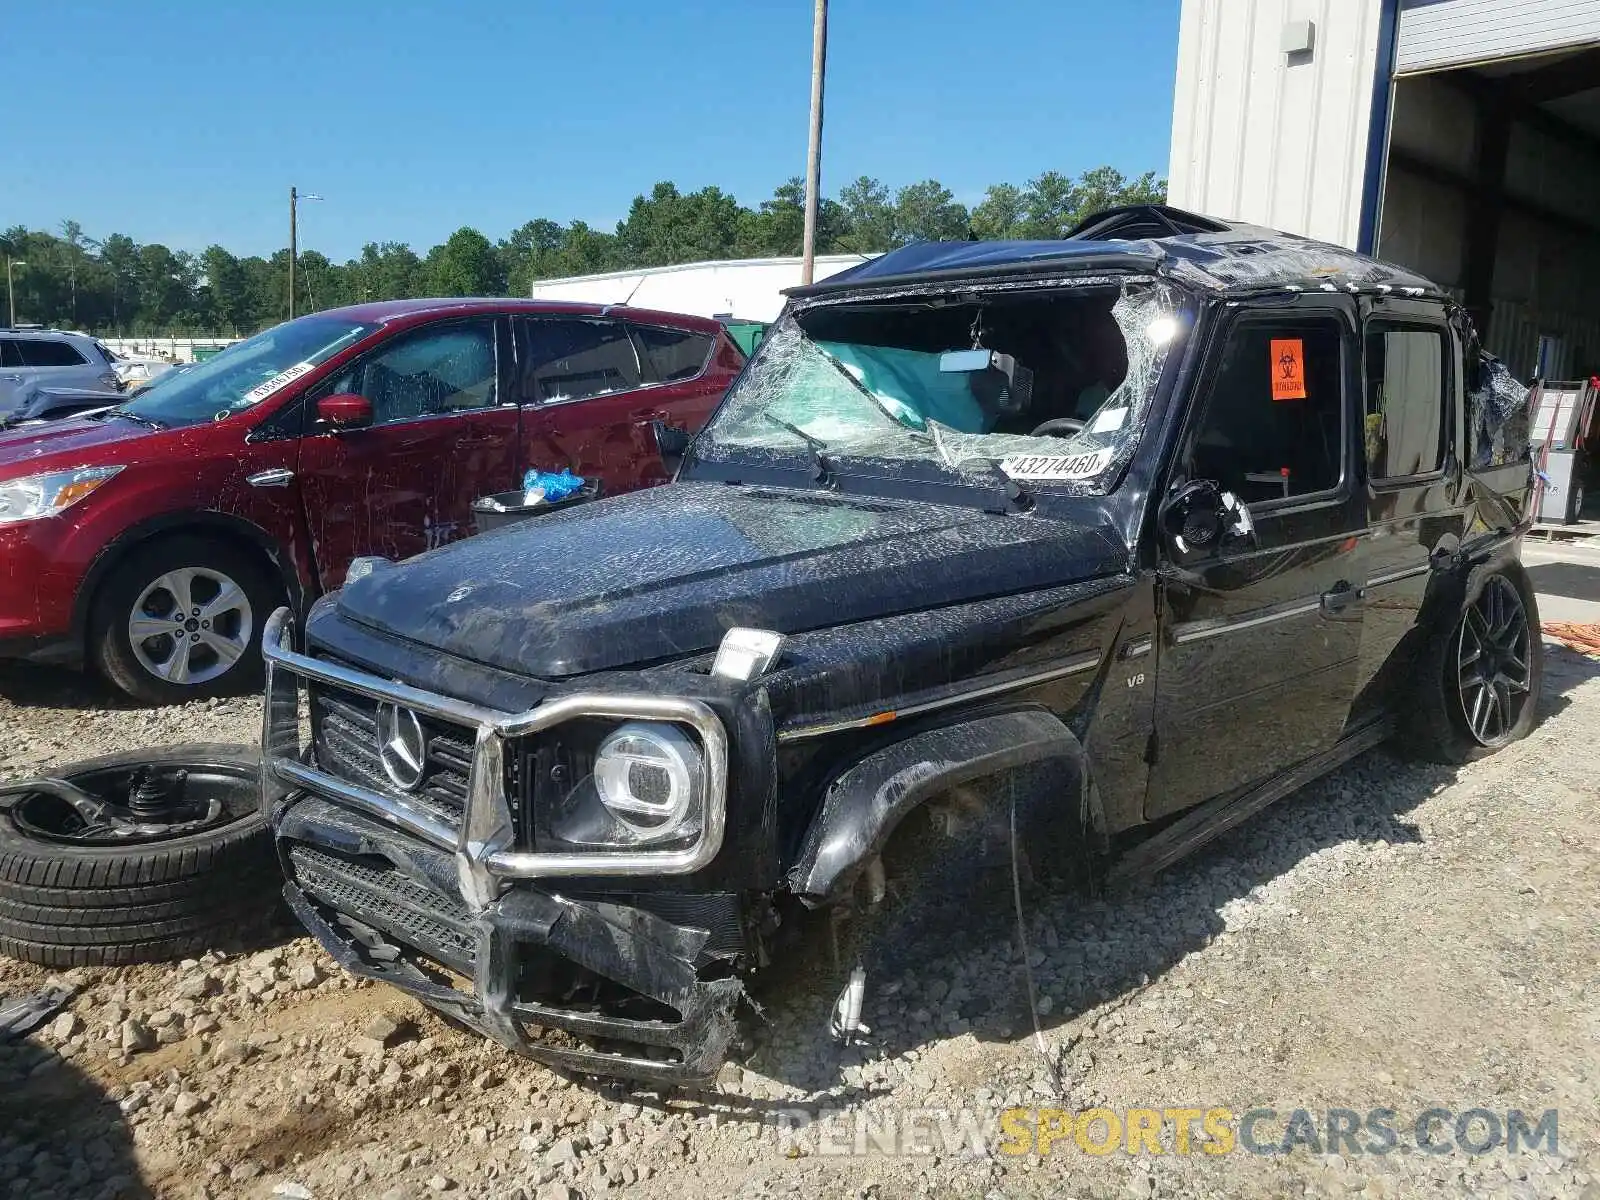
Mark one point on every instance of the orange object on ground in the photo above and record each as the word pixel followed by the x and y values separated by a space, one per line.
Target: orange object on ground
pixel 1585 639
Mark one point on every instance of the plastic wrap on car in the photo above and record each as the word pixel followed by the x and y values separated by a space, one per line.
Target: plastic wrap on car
pixel 1498 415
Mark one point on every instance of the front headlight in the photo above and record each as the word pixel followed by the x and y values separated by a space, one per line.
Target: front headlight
pixel 35 496
pixel 648 777
pixel 645 784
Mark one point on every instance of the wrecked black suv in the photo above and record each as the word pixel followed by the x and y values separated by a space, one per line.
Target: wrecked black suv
pixel 1103 544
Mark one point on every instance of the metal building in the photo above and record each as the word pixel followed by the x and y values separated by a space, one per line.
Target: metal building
pixel 1457 137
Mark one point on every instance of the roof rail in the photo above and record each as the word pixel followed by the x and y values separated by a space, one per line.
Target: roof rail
pixel 1133 221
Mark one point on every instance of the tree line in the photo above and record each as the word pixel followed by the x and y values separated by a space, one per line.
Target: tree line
pixel 114 286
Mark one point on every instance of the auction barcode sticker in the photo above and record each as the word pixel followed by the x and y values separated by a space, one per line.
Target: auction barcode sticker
pixel 1057 466
pixel 278 382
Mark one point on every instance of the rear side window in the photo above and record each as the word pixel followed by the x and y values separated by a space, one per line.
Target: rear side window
pixel 571 359
pixel 1272 425
pixel 673 354
pixel 10 356
pixel 38 352
pixel 1403 426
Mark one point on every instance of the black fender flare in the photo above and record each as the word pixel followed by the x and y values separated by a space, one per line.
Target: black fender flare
pixel 867 801
pixel 1455 586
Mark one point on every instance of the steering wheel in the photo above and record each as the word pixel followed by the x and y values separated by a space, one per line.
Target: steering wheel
pixel 1059 427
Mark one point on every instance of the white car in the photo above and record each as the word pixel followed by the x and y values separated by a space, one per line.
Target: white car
pixel 53 359
pixel 137 374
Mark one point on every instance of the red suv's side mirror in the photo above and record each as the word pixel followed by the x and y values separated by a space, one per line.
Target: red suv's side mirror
pixel 345 410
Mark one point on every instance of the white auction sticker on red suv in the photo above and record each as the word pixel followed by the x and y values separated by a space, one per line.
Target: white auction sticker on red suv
pixel 279 381
pixel 1057 466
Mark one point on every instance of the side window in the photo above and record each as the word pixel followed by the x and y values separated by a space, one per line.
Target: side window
pixel 571 359
pixel 10 356
pixel 1403 426
pixel 427 372
pixel 673 354
pixel 38 352
pixel 1272 426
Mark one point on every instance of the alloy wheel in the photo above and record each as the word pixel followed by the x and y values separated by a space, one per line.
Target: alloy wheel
pixel 132 806
pixel 1492 662
pixel 190 625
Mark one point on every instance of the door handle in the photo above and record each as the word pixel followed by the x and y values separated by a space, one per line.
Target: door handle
pixel 1339 599
pixel 275 477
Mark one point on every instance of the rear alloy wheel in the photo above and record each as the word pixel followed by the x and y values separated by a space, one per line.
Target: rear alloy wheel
pixel 1477 680
pixel 181 620
pixel 1493 663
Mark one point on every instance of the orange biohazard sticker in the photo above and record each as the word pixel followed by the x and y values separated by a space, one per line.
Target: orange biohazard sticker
pixel 1288 369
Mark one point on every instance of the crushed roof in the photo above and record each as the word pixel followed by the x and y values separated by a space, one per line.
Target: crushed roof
pixel 1202 252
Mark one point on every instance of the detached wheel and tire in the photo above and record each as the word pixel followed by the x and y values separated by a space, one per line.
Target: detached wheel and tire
pixel 134 857
pixel 1480 678
pixel 181 620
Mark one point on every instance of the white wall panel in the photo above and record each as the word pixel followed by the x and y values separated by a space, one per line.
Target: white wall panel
pixel 1263 136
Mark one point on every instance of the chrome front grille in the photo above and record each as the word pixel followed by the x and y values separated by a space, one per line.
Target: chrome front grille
pixel 345 725
pixel 472 811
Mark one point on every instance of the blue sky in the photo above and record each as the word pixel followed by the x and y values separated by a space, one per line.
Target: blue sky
pixel 185 123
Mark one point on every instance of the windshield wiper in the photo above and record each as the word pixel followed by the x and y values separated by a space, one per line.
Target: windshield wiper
pixel 817 446
pixel 133 416
pixel 1019 498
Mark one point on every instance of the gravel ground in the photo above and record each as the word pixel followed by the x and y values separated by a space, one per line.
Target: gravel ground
pixel 1394 936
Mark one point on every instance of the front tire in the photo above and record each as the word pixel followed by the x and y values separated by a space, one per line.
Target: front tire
pixel 181 620
pixel 1479 679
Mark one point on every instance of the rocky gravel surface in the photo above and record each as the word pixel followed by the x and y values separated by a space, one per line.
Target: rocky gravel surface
pixel 1393 937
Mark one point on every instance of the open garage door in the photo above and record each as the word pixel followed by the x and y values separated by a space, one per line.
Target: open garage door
pixel 1492 188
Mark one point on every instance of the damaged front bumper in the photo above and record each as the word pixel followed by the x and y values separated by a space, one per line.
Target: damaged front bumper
pixel 639 985
pixel 381 905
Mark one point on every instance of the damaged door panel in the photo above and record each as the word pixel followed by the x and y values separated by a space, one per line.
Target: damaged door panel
pixel 441 434
pixel 1053 552
pixel 594 388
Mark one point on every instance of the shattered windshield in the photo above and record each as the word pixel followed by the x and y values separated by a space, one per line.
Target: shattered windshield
pixel 1052 388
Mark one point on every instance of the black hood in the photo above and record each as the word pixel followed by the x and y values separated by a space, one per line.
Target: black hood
pixel 665 572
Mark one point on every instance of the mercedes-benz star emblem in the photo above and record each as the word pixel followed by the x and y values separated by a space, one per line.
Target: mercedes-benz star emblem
pixel 402 747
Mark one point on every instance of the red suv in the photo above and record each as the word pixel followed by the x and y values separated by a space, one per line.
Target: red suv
pixel 153 539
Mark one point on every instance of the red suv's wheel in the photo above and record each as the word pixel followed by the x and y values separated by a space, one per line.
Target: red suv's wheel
pixel 181 620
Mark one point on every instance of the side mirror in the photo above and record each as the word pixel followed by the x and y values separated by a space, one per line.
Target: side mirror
pixel 1195 517
pixel 672 443
pixel 345 410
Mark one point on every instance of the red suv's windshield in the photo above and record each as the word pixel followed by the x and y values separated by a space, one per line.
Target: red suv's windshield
pixel 244 374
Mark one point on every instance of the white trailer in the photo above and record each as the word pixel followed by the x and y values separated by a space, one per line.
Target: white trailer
pixel 746 288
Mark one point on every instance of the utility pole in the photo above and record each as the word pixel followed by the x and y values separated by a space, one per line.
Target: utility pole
pixel 819 67
pixel 11 288
pixel 294 201
pixel 294 241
